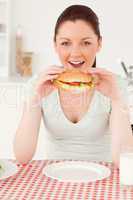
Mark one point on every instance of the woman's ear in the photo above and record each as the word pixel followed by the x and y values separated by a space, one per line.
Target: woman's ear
pixel 99 44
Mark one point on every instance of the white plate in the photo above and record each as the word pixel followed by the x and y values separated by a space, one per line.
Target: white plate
pixel 9 170
pixel 76 171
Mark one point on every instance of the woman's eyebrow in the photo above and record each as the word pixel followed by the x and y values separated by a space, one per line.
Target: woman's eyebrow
pixel 64 38
pixel 85 38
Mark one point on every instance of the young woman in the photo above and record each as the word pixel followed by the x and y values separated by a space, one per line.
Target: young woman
pixel 94 128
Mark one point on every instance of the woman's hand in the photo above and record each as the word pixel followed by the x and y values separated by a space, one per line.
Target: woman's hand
pixel 106 83
pixel 44 85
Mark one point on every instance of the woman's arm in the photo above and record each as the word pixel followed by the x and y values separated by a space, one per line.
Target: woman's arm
pixel 119 119
pixel 27 133
pixel 120 128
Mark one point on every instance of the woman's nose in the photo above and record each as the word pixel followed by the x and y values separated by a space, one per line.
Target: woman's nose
pixel 75 51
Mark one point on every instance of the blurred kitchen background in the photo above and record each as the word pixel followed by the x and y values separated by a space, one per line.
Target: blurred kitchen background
pixel 26 47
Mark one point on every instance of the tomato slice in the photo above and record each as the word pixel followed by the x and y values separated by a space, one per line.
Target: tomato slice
pixel 71 83
pixel 75 83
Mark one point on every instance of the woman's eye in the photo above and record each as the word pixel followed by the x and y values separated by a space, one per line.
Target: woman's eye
pixel 65 43
pixel 87 43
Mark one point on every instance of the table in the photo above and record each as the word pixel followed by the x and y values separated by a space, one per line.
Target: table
pixel 30 184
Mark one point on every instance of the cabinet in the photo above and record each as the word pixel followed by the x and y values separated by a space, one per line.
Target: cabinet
pixel 4 37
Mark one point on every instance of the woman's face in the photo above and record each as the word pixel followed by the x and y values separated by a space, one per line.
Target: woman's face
pixel 77 44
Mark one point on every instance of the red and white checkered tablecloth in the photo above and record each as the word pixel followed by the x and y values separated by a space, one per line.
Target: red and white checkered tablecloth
pixel 30 184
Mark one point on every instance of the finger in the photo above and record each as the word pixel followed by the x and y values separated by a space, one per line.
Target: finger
pixel 51 68
pixel 100 71
pixel 55 72
pixel 49 77
pixel 52 72
pixel 55 67
pixel 95 78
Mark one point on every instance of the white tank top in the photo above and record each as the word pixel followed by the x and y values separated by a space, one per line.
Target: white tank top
pixel 89 139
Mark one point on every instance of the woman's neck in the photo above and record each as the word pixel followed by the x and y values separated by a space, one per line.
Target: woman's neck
pixel 75 93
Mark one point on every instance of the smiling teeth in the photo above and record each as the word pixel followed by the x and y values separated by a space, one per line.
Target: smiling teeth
pixel 76 62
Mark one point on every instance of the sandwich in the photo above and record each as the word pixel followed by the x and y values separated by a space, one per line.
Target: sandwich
pixel 75 80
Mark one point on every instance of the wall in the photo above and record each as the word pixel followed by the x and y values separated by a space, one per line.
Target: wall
pixel 11 109
pixel 38 19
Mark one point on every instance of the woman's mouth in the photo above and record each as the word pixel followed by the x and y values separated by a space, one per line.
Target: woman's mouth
pixel 76 64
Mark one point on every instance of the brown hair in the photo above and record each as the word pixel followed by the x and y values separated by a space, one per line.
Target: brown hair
pixel 79 12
